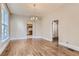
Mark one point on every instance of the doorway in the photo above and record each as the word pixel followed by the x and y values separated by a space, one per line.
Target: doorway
pixel 55 31
pixel 29 29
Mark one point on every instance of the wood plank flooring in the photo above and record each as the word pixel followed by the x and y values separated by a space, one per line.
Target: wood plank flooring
pixel 36 47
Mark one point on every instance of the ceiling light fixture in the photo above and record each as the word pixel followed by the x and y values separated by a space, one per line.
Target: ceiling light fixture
pixel 34 5
pixel 34 18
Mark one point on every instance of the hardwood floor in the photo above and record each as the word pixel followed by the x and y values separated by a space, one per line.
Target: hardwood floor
pixel 36 47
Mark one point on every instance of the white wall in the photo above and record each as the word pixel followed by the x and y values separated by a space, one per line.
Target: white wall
pixel 46 28
pixel 0 21
pixel 68 17
pixel 69 27
pixel 0 27
pixel 37 29
pixel 18 27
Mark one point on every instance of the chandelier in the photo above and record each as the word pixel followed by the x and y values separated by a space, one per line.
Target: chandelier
pixel 34 18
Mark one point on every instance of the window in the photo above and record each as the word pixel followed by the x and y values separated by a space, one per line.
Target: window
pixel 0 24
pixel 5 24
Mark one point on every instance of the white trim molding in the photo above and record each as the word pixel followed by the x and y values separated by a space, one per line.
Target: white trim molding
pixel 18 37
pixel 46 38
pixel 26 37
pixel 69 46
pixel 36 37
pixel 41 38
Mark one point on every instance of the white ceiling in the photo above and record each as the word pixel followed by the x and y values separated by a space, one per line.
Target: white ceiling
pixel 27 9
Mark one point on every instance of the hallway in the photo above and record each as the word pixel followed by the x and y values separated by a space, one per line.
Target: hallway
pixel 36 47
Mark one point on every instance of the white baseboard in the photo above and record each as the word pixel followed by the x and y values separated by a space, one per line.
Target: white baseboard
pixel 25 37
pixel 36 37
pixel 70 46
pixel 46 38
pixel 18 37
pixel 3 46
pixel 41 37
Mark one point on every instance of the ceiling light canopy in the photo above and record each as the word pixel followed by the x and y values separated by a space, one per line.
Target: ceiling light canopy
pixel 34 5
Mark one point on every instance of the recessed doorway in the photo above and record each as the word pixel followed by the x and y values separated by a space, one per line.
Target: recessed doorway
pixel 29 29
pixel 55 31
